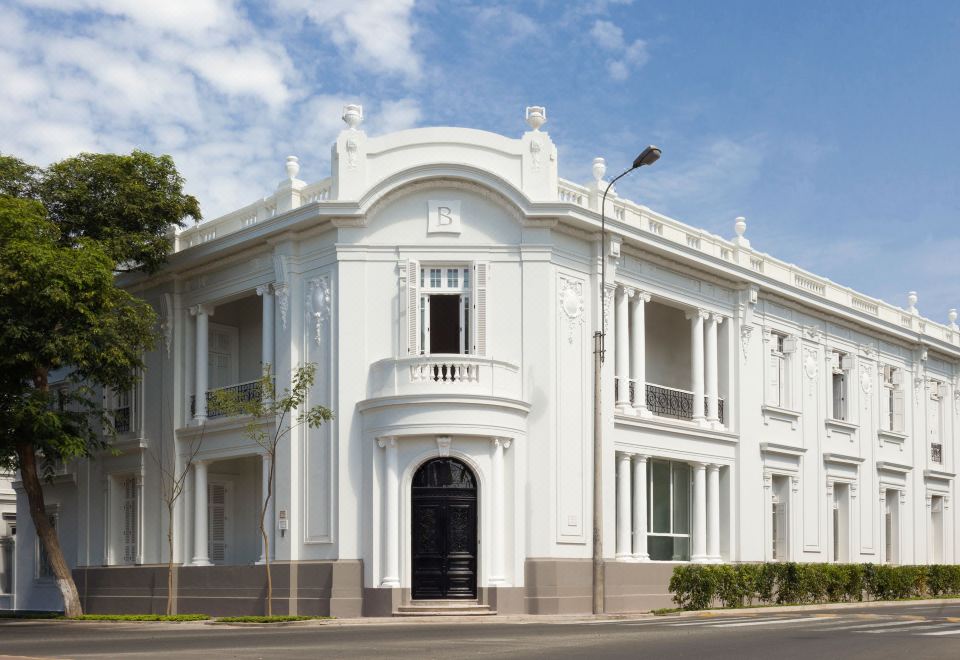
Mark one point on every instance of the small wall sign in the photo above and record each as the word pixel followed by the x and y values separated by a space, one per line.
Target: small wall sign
pixel 443 217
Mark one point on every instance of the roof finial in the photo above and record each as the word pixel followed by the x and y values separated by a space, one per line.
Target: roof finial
pixel 599 169
pixel 952 317
pixel 740 227
pixel 912 302
pixel 293 167
pixel 536 116
pixel 353 115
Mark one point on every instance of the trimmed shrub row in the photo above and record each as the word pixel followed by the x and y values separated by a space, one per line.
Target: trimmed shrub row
pixel 699 586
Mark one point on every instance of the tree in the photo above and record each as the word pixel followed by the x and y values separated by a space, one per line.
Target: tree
pixel 173 479
pixel 65 231
pixel 285 413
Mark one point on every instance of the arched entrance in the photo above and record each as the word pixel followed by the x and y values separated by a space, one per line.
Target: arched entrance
pixel 444 531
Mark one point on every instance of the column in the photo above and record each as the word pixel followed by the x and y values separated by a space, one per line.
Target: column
pixel 498 514
pixel 266 350
pixel 699 513
pixel 638 353
pixel 268 519
pixel 713 512
pixel 713 371
pixel 202 312
pixel 622 339
pixel 696 361
pixel 623 505
pixel 200 553
pixel 391 512
pixel 640 508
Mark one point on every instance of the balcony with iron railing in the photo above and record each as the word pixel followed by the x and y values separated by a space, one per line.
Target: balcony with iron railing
pixel 664 401
pixel 249 391
pixel 121 420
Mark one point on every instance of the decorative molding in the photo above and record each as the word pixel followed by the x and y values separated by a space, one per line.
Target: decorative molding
pixel 505 442
pixel 570 299
pixel 795 484
pixel 811 365
pixel 812 332
pixel 866 380
pixel 283 301
pixel 166 321
pixel 745 332
pixel 318 300
pixel 387 440
pixel 608 305
pixel 536 152
pixel 443 445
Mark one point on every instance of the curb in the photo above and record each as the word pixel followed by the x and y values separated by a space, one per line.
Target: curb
pixel 816 607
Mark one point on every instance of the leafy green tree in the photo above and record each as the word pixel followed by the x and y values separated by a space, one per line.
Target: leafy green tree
pixel 65 231
pixel 271 418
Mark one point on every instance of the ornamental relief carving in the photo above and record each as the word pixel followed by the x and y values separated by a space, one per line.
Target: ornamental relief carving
pixel 810 364
pixel 866 381
pixel 318 300
pixel 570 299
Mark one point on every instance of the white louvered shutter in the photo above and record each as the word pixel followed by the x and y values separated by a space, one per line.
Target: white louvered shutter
pixel 481 273
pixel 222 357
pixel 775 380
pixel 413 307
pixel 934 417
pixel 217 521
pixel 897 415
pixel 780 531
pixel 129 512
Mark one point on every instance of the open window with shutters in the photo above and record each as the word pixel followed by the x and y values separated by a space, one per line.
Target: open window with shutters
pixel 782 348
pixel 779 518
pixel 123 528
pixel 935 420
pixel 892 399
pixel 840 363
pixel 446 308
pixel 218 522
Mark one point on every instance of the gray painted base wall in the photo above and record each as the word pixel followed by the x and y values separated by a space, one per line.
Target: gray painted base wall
pixel 335 588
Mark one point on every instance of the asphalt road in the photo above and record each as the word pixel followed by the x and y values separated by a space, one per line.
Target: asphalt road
pixel 914 632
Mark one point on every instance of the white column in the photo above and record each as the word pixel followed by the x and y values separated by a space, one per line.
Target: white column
pixel 268 519
pixel 640 508
pixel 391 514
pixel 713 512
pixel 699 513
pixel 713 371
pixel 266 350
pixel 202 312
pixel 200 552
pixel 623 350
pixel 498 513
pixel 623 505
pixel 696 361
pixel 638 354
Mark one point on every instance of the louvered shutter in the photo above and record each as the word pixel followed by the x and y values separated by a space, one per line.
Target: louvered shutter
pixel 897 415
pixel 780 531
pixel 934 418
pixel 129 512
pixel 775 380
pixel 413 307
pixel 217 521
pixel 481 273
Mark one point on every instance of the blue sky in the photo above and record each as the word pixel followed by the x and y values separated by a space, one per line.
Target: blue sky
pixel 832 126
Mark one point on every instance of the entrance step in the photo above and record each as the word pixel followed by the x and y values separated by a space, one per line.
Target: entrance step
pixel 444 608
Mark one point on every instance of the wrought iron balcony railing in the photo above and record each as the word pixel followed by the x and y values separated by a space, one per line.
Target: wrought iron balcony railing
pixel 121 420
pixel 251 391
pixel 666 401
pixel 936 452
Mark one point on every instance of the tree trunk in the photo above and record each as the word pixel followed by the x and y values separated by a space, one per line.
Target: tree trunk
pixel 45 531
pixel 170 559
pixel 263 532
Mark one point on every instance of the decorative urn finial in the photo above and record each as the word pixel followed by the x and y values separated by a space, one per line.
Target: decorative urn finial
pixel 912 302
pixel 353 115
pixel 952 317
pixel 599 169
pixel 293 167
pixel 536 116
pixel 740 226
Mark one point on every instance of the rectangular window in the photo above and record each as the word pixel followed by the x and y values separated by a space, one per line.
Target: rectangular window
pixel 445 311
pixel 217 522
pixel 936 529
pixel 778 518
pixel 668 536
pixel 892 399
pixel 891 527
pixel 776 378
pixel 129 517
pixel 935 422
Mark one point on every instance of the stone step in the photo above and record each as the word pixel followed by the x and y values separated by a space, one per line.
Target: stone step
pixel 444 608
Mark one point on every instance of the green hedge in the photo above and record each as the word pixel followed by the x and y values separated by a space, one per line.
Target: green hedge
pixel 699 586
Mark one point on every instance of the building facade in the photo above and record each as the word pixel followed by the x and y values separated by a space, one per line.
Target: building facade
pixel 445 281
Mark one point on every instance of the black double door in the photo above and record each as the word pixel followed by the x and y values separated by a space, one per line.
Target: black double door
pixel 444 543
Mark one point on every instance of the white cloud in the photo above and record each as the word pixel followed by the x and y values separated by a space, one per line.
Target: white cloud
pixel 378 34
pixel 625 57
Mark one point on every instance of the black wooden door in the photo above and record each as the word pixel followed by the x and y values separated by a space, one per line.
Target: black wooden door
pixel 444 543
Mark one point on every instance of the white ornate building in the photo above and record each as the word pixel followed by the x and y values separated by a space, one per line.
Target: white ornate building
pixel 445 282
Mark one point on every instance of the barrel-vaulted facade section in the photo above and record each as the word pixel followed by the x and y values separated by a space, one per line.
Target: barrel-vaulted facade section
pixel 446 284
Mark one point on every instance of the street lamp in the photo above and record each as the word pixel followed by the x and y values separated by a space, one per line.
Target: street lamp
pixel 648 156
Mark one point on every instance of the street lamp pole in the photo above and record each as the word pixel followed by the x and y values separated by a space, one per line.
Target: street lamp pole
pixel 648 156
